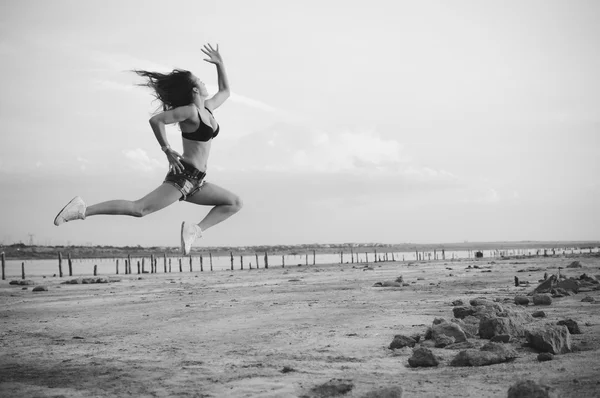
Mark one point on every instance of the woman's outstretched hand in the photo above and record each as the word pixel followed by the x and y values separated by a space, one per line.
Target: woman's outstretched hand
pixel 214 56
pixel 173 158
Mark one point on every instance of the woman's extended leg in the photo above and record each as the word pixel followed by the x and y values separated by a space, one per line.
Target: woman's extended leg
pixel 226 204
pixel 161 197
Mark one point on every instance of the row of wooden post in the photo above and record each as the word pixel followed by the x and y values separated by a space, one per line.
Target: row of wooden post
pixel 154 261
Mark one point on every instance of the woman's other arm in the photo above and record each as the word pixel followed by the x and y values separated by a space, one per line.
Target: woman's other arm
pixel 215 58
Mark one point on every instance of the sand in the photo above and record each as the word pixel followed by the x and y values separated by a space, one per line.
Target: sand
pixel 277 333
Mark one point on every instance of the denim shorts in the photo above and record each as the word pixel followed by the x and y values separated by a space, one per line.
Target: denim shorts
pixel 188 182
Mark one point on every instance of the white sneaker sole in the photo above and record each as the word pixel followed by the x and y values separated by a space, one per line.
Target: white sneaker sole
pixel 62 211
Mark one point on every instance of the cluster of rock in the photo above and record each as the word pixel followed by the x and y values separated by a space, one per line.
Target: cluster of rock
pixel 561 286
pixel 490 320
pixel 502 322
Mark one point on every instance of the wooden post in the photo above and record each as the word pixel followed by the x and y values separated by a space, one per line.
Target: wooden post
pixel 241 262
pixel 165 263
pixel 117 267
pixel 201 265
pixel 138 264
pixel 143 265
pixel 342 257
pixel 375 251
pixel 95 269
pixel 210 256
pixel 60 274
pixel 22 270
pixel 70 262
pixel 306 258
pixel 231 255
pixel 180 266
pixel 443 254
pixel 190 263
pixel 282 261
pixel 266 261
pixel 169 265
pixel 3 266
pixel 416 255
pixel 314 257
pixel 352 254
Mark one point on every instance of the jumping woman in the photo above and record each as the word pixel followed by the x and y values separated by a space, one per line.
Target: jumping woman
pixel 185 101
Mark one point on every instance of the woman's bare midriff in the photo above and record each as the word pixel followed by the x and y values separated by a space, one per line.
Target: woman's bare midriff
pixel 196 153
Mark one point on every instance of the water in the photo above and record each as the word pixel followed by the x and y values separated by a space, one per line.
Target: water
pixel 85 267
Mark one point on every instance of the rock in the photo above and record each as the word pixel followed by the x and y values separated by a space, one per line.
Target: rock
pixel 423 357
pixel 574 264
pixel 442 341
pixel 529 389
pixel 428 334
pixel 571 325
pixel 490 327
pixel 553 339
pixel 588 299
pixel 102 280
pixel 569 284
pixel 559 292
pixel 437 321
pixel 546 285
pixel 488 356
pixel 458 303
pixel 545 356
pixel 332 388
pixel 387 284
pixel 401 341
pixel 471 329
pixel 542 299
pixel 462 312
pixel 501 338
pixel 465 345
pixel 482 312
pixel 538 314
pixel 499 348
pixel 385 392
pixel 486 303
pixel 22 282
pixel 448 329
pixel 40 289
pixel 521 300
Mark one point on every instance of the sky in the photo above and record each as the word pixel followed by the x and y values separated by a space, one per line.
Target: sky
pixel 349 121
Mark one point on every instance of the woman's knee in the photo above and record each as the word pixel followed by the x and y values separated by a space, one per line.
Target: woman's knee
pixel 236 203
pixel 139 209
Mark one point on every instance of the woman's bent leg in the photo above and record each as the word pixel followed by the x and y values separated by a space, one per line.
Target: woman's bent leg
pixel 226 204
pixel 161 197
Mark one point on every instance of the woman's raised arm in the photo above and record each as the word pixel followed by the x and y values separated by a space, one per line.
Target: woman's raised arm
pixel 215 58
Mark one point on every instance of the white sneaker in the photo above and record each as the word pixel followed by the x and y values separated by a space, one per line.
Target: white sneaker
pixel 74 210
pixel 189 233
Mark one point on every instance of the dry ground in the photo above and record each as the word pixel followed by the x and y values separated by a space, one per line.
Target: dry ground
pixel 231 334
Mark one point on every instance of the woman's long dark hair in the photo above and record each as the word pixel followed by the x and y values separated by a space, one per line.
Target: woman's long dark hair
pixel 173 89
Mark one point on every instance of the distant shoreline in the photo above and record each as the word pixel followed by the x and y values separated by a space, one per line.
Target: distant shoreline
pixel 26 252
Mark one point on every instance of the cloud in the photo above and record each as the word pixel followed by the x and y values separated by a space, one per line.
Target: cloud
pixel 140 160
pixel 240 99
pixel 287 147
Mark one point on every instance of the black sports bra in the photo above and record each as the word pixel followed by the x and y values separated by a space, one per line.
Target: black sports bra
pixel 204 131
